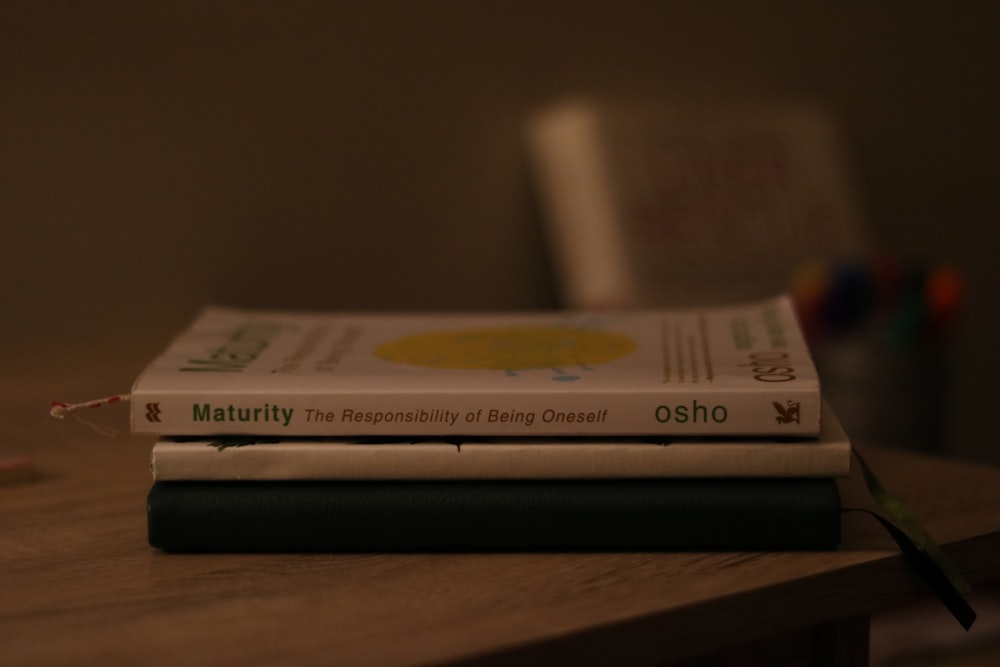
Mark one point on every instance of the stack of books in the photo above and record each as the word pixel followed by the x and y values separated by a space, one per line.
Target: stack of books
pixel 695 428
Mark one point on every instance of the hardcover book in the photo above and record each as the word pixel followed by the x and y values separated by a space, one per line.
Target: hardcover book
pixel 495 515
pixel 256 459
pixel 651 204
pixel 741 369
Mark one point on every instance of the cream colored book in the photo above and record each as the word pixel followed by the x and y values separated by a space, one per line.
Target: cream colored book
pixel 250 459
pixel 742 369
pixel 657 204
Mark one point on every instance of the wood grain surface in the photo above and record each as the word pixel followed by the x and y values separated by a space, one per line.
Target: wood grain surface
pixel 80 585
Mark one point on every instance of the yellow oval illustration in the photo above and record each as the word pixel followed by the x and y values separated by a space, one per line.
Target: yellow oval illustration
pixel 512 348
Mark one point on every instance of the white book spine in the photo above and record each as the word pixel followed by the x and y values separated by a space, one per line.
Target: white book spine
pixel 318 461
pixel 251 459
pixel 734 370
pixel 784 413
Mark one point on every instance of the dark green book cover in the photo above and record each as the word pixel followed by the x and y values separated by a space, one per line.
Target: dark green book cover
pixel 508 515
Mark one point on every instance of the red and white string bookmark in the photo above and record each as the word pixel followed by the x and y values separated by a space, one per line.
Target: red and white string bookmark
pixel 60 410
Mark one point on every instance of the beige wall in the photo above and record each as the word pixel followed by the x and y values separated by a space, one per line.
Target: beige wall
pixel 158 155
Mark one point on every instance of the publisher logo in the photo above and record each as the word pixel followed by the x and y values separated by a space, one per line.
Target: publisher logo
pixel 788 413
pixel 153 412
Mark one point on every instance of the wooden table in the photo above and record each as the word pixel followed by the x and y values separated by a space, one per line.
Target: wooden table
pixel 80 585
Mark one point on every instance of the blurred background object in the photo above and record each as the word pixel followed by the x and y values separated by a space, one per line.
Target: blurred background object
pixel 883 335
pixel 160 155
pixel 690 202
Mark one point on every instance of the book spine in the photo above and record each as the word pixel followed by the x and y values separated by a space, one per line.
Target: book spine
pixel 782 412
pixel 494 516
pixel 296 460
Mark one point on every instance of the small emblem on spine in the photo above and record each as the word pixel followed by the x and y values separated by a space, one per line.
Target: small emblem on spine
pixel 788 413
pixel 153 412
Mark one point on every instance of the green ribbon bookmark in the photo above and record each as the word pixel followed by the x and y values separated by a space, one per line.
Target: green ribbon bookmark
pixel 938 570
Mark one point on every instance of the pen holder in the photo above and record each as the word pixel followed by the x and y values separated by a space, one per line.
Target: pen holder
pixel 880 333
pixel 887 394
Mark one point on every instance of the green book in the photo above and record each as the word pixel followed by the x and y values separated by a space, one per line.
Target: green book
pixel 495 515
